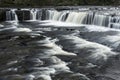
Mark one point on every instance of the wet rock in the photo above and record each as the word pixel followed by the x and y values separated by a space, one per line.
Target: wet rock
pixel 23 15
pixel 44 14
pixel 3 14
pixel 39 15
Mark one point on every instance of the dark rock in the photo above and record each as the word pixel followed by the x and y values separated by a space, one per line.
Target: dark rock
pixel 3 14
pixel 44 14
pixel 39 15
pixel 23 15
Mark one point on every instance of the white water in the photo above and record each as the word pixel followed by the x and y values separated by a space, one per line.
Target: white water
pixel 98 51
pixel 97 18
pixel 76 17
pixel 55 49
pixel 11 15
pixel 46 51
pixel 114 40
pixel 101 20
pixel 33 14
pixel 22 30
pixel 56 64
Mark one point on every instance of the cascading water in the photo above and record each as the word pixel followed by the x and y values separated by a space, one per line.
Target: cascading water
pixel 50 44
pixel 11 15
pixel 57 16
pixel 38 14
pixel 115 22
pixel 63 16
pixel 76 17
pixel 67 16
pixel 33 14
pixel 86 17
pixel 89 18
pixel 101 20
pixel 8 16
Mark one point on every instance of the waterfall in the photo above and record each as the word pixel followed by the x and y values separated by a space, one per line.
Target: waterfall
pixel 101 20
pixel 89 17
pixel 84 17
pixel 38 14
pixel 8 16
pixel 50 14
pixel 11 15
pixel 63 16
pixel 76 17
pixel 57 16
pixel 33 14
pixel 67 16
pixel 70 17
pixel 115 22
pixel 81 17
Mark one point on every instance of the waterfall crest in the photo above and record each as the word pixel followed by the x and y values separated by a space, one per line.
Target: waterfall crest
pixel 11 15
pixel 88 17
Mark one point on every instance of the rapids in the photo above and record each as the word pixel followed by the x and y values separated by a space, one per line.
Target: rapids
pixel 53 44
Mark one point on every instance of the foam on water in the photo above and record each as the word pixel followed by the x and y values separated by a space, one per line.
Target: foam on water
pixel 59 65
pixel 30 77
pixel 44 41
pixel 43 70
pixel 55 49
pixel 11 28
pixel 10 70
pixel 90 28
pixel 55 60
pixel 22 30
pixel 98 51
pixel 62 67
pixel 12 62
pixel 113 39
pixel 59 24
pixel 98 28
pixel 45 77
pixel 1 25
pixel 55 64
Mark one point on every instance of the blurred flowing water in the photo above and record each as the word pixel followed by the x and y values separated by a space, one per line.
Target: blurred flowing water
pixel 78 44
